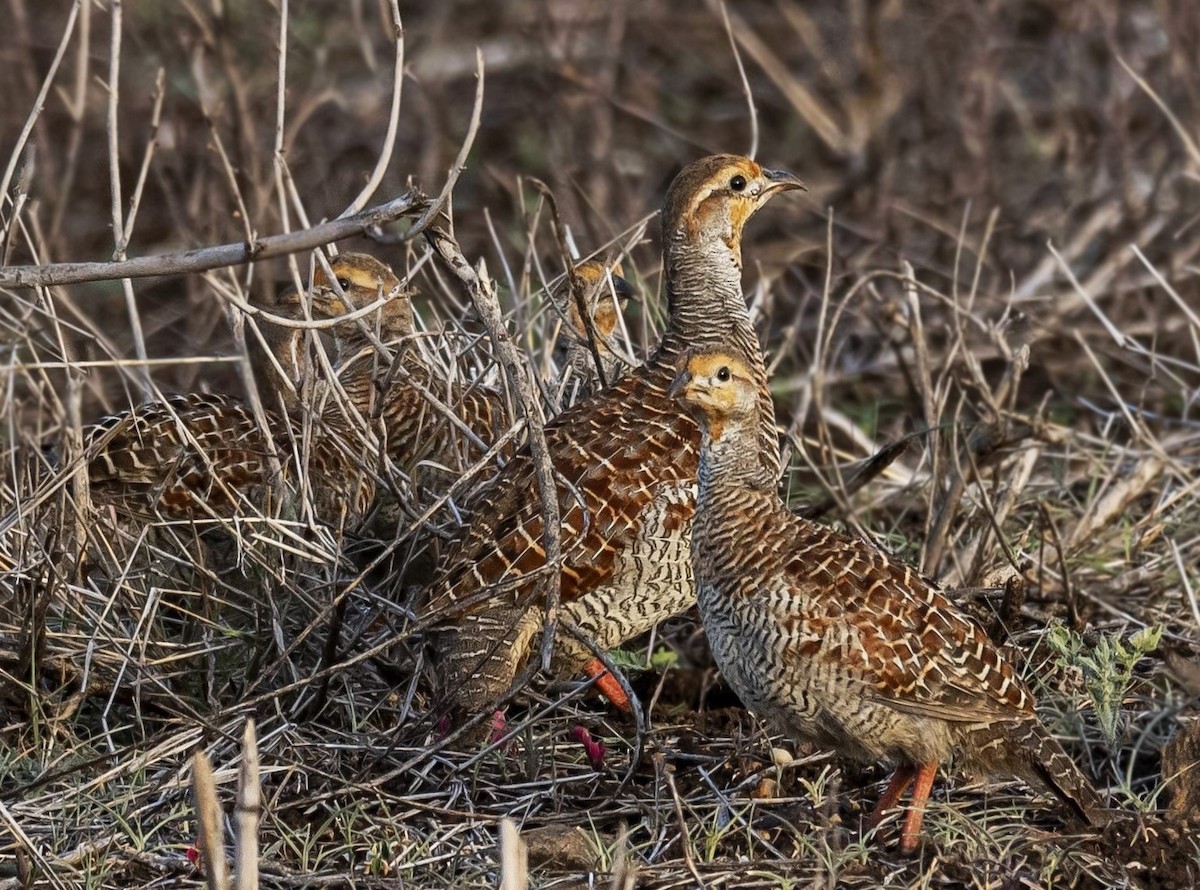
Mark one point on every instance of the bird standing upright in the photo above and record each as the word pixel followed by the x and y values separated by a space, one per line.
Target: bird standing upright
pixel 627 460
pixel 834 641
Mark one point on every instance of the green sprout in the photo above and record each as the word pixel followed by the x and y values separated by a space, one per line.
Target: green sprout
pixel 1107 669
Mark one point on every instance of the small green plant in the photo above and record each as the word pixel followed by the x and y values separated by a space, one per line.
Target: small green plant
pixel 817 788
pixel 726 822
pixel 662 659
pixel 1107 669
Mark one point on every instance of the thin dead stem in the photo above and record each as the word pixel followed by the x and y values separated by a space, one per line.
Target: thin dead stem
pixel 207 258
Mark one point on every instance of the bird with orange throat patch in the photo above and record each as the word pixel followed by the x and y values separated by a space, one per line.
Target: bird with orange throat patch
pixel 835 642
pixel 626 459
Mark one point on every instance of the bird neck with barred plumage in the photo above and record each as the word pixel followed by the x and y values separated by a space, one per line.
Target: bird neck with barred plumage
pixel 706 308
pixel 705 303
pixel 730 467
pixel 361 366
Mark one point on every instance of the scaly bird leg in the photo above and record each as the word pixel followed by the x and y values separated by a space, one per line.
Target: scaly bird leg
pixel 608 685
pixel 911 832
pixel 901 779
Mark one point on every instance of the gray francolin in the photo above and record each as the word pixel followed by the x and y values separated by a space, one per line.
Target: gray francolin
pixel 198 456
pixel 436 427
pixel 835 642
pixel 604 294
pixel 626 459
pixel 291 355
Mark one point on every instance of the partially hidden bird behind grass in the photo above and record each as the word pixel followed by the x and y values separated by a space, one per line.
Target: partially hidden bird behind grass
pixel 203 456
pixel 627 460
pixel 293 362
pixel 834 641
pixel 439 428
pixel 604 294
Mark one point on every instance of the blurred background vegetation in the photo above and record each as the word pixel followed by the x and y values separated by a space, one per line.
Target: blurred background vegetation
pixel 926 127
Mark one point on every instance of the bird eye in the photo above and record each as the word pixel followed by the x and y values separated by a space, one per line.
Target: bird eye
pixel 723 375
pixel 738 183
pixel 344 283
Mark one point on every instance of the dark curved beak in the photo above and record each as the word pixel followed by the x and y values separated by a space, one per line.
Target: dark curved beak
pixel 783 181
pixel 679 384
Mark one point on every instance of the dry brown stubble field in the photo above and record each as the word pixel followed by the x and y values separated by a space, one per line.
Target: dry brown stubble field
pixel 995 266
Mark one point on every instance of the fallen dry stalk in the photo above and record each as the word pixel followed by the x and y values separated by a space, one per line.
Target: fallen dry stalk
pixel 514 857
pixel 408 204
pixel 247 812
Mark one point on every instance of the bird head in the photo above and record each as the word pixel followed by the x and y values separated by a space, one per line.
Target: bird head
pixel 361 280
pixel 595 276
pixel 717 387
pixel 714 197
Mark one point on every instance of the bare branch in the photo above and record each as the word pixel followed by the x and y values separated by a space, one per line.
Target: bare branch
pixel 205 258
pixel 574 282
pixel 208 813
pixel 483 295
pixel 20 196
pixel 746 91
pixel 460 162
pixel 247 812
pixel 514 857
pixel 120 236
pixel 76 106
pixel 279 171
pixel 38 105
pixel 114 147
pixel 135 200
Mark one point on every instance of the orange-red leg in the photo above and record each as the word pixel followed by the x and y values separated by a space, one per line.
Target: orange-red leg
pixel 921 778
pixel 911 832
pixel 608 685
pixel 901 779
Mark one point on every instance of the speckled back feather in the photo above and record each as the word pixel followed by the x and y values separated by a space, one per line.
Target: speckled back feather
pixel 202 456
pixel 198 456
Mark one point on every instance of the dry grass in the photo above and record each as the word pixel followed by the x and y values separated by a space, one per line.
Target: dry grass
pixel 1007 281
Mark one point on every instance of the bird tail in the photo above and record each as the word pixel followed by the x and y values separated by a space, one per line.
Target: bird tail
pixel 480 655
pixel 1050 764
